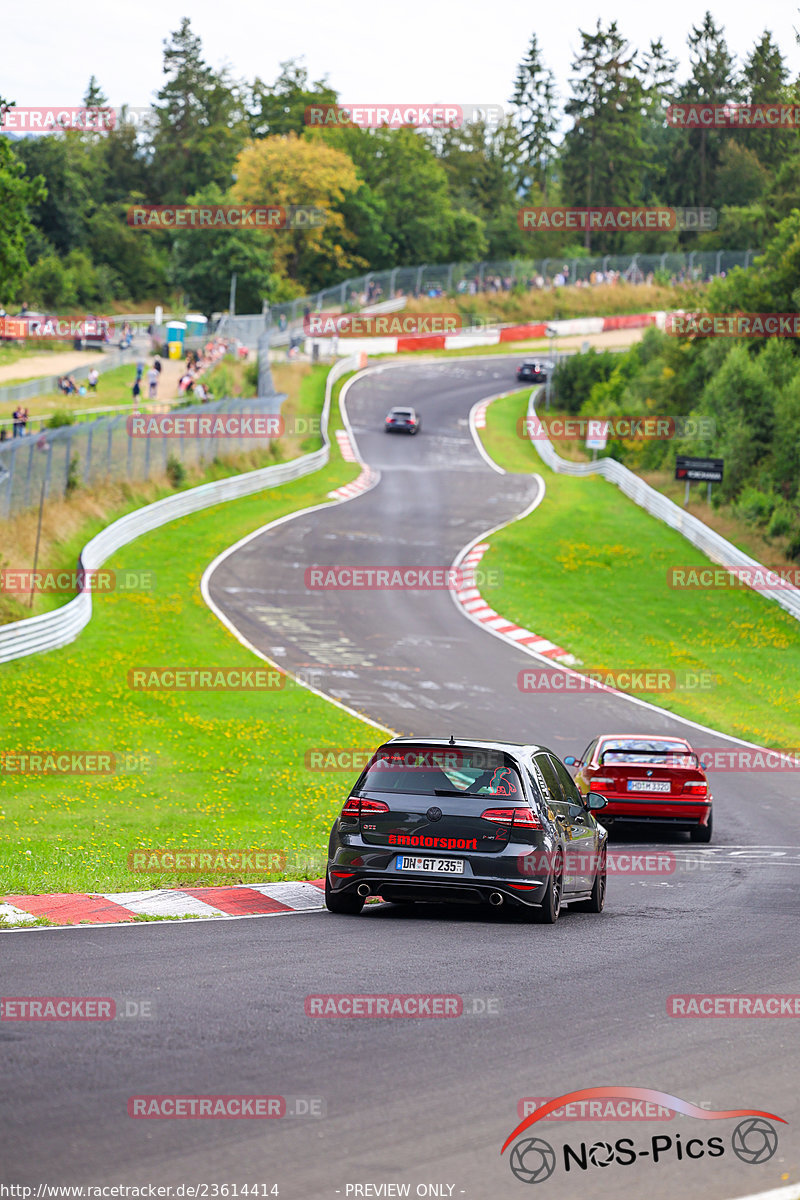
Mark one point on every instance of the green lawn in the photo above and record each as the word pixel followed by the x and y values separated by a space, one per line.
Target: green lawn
pixel 220 770
pixel 588 570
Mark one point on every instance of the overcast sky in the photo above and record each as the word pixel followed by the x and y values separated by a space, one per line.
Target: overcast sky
pixel 454 51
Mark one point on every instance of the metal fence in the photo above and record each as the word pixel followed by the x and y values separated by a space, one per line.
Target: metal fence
pixel 105 449
pixel 503 275
pixel 717 548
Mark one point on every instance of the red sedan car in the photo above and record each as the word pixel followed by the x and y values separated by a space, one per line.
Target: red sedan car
pixel 647 779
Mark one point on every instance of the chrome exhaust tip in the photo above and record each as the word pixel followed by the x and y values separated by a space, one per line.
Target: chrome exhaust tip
pixel 496 898
pixel 364 889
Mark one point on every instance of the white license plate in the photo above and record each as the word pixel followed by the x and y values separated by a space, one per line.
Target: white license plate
pixel 439 866
pixel 648 785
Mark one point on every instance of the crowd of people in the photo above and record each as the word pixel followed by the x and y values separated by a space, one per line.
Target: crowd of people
pixel 197 364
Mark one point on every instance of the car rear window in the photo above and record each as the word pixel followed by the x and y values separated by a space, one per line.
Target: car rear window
pixel 650 750
pixel 424 770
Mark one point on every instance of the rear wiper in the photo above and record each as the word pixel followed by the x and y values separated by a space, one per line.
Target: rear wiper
pixel 447 792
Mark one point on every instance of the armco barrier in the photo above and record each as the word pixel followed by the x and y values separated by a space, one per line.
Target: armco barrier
pixel 717 548
pixel 51 630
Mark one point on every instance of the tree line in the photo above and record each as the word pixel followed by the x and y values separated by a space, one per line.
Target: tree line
pixel 394 197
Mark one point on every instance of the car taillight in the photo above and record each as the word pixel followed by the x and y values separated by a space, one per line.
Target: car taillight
pixel 522 818
pixel 602 783
pixel 355 805
pixel 697 787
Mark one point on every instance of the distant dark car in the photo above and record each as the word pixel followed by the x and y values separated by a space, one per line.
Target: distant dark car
pixel 402 420
pixel 534 371
pixel 467 823
pixel 651 780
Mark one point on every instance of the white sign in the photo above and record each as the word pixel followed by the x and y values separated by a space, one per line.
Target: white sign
pixel 596 435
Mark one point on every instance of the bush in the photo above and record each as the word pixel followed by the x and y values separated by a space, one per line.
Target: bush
pixel 755 507
pixel 176 471
pixel 781 521
pixel 59 419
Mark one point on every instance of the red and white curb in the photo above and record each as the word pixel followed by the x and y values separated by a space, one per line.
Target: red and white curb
pixel 113 908
pixel 367 479
pixel 479 414
pixel 345 448
pixel 469 598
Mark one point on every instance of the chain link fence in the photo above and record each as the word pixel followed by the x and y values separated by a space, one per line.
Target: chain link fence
pixel 502 275
pixel 57 459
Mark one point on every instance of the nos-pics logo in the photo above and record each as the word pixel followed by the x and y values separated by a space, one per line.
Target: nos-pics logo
pixel 533 1160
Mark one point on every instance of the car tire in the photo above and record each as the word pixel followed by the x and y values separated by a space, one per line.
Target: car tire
pixel 547 912
pixel 597 900
pixel 702 833
pixel 346 904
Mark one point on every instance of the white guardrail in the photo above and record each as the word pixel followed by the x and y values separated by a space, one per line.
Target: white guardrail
pixel 717 548
pixel 51 630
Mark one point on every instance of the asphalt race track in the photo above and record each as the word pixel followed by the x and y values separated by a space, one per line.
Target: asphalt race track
pixel 579 1004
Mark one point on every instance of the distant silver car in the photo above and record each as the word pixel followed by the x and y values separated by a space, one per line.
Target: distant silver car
pixel 402 420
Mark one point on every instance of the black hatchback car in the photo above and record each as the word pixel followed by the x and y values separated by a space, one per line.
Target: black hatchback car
pixel 467 822
pixel 534 371
pixel 402 420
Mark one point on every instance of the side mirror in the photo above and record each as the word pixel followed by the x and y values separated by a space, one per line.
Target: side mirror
pixel 573 762
pixel 595 801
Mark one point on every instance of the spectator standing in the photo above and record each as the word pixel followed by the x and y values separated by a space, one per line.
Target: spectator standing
pixel 136 390
pixel 93 377
pixel 16 420
pixel 157 365
pixel 152 383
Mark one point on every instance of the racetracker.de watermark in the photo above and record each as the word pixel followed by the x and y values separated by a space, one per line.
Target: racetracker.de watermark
pixel 598 1110
pixel 398 116
pixel 769 115
pixel 226 216
pixel 616 679
pixel 616 220
pixel 74 1008
pixel 732 324
pixel 203 679
pixel 748 759
pixel 363 579
pixel 758 578
pixel 586 862
pixel 58 329
pixel 764 1004
pixel 215 425
pixel 347 325
pixel 398 1005
pixel 220 1107
pixel 21 582
pixel 73 762
pixel 621 428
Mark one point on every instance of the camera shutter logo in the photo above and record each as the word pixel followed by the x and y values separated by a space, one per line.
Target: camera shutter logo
pixel 533 1160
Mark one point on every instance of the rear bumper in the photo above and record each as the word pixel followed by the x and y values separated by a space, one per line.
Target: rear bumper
pixel 349 868
pixel 682 813
pixel 440 890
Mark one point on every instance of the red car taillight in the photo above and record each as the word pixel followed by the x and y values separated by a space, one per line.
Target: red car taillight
pixel 602 783
pixel 697 787
pixel 522 818
pixel 355 805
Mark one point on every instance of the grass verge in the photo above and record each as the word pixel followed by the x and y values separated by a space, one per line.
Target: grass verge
pixel 205 770
pixel 588 569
